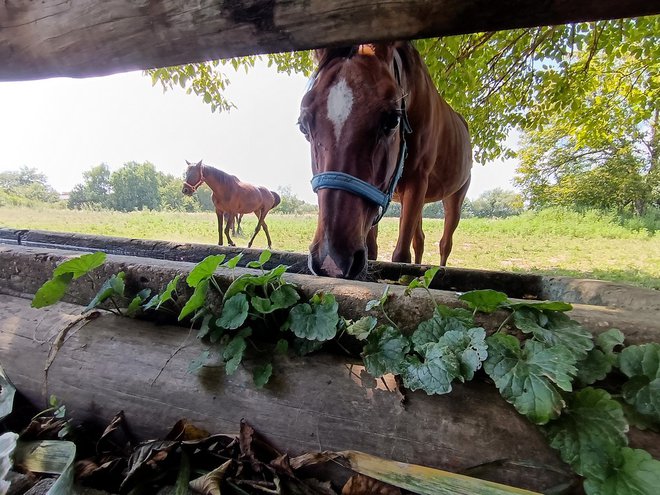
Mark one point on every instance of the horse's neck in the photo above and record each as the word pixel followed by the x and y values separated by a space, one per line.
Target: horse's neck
pixel 218 180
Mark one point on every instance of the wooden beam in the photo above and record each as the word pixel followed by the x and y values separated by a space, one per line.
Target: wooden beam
pixel 80 38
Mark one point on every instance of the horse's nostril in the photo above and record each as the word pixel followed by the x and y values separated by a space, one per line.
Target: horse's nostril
pixel 358 265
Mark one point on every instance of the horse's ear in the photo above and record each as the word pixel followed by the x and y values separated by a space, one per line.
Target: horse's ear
pixel 384 51
pixel 198 163
pixel 188 163
pixel 323 55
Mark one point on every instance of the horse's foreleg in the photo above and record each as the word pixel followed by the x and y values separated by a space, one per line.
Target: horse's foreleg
pixel 372 243
pixel 228 228
pixel 418 242
pixel 412 202
pixel 220 216
pixel 452 206
pixel 260 217
pixel 263 223
pixel 238 227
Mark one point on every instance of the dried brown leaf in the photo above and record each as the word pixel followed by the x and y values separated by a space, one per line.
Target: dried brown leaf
pixel 363 485
pixel 209 484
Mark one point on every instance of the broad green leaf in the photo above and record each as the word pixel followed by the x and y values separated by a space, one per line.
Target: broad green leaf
pixel 361 328
pixel 239 285
pixel 529 378
pixel 261 305
pixel 262 374
pixel 52 291
pixel 263 259
pixel 81 265
pixel 198 363
pixel 463 315
pixel 555 329
pixel 204 269
pixel 413 284
pixel 429 275
pixel 284 296
pixel 590 431
pixel 302 347
pixel 431 330
pixel 641 363
pixel 114 286
pixel 234 312
pixel 469 347
pixel 599 360
pixel 433 375
pixel 484 300
pixel 317 320
pixel 137 301
pixel 205 326
pixel 233 262
pixel 633 472
pixel 196 301
pixel 233 352
pixel 385 351
pixel 160 299
pixel 282 347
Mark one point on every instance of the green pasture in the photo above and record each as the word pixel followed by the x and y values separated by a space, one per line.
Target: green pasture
pixel 549 242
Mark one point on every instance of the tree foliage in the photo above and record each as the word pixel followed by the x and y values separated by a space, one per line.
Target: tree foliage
pixel 29 184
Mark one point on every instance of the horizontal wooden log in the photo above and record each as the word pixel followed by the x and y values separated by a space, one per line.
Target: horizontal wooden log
pixel 320 402
pixel 82 38
pixel 24 269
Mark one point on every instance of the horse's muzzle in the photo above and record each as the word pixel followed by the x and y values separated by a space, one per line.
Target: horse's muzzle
pixel 330 264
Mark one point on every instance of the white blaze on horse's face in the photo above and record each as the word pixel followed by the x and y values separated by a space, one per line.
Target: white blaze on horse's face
pixel 340 103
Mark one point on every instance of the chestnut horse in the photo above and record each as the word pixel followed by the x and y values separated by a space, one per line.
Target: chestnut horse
pixel 368 110
pixel 232 197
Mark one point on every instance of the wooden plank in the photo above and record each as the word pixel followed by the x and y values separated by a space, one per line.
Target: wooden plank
pixel 82 38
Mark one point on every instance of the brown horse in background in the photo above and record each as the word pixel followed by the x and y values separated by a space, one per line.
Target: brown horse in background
pixel 231 197
pixel 365 106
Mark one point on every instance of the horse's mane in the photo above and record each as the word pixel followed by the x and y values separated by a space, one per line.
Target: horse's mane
pixel 218 174
pixel 324 57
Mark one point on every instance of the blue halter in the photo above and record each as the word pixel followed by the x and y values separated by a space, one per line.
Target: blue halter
pixel 351 184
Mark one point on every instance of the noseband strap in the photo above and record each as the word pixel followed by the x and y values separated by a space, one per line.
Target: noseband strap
pixel 354 185
pixel 199 182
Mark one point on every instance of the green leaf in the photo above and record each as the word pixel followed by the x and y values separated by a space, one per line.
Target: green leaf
pixel 542 305
pixel 553 329
pixel 114 286
pixel 167 295
pixel 262 374
pixel 589 432
pixel 137 301
pixel 435 374
pixel 429 275
pixel 375 303
pixel 81 265
pixel 284 296
pixel 198 363
pixel 282 347
pixel 52 291
pixel 529 378
pixel 633 472
pixel 204 269
pixel 205 326
pixel 196 301
pixel 234 312
pixel 385 351
pixel 317 320
pixel 485 300
pixel 233 262
pixel 233 352
pixel 469 347
pixel 362 328
pixel 599 360
pixel 431 330
pixel 302 347
pixel 641 363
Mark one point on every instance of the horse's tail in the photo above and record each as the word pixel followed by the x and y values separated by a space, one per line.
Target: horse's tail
pixel 278 200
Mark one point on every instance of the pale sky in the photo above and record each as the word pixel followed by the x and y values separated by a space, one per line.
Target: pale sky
pixel 63 127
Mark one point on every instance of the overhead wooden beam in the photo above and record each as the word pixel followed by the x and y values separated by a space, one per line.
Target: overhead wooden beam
pixel 80 38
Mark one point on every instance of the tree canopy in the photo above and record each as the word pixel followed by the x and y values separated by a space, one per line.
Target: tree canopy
pixel 587 88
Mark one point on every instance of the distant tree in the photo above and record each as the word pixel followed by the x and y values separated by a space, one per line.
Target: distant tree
pixel 171 197
pixel 290 204
pixel 135 187
pixel 95 189
pixel 30 184
pixel 434 210
pixel 497 203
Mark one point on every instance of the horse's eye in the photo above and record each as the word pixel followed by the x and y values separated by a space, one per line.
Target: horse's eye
pixel 391 121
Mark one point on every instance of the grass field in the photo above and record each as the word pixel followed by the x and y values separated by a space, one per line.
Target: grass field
pixel 549 242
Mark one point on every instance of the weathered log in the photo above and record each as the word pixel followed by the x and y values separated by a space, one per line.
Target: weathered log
pixel 24 269
pixel 320 402
pixel 90 37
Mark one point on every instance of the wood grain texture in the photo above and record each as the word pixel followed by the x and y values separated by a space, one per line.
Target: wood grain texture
pixel 82 38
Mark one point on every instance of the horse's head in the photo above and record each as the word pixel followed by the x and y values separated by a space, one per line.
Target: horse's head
pixel 194 177
pixel 352 116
